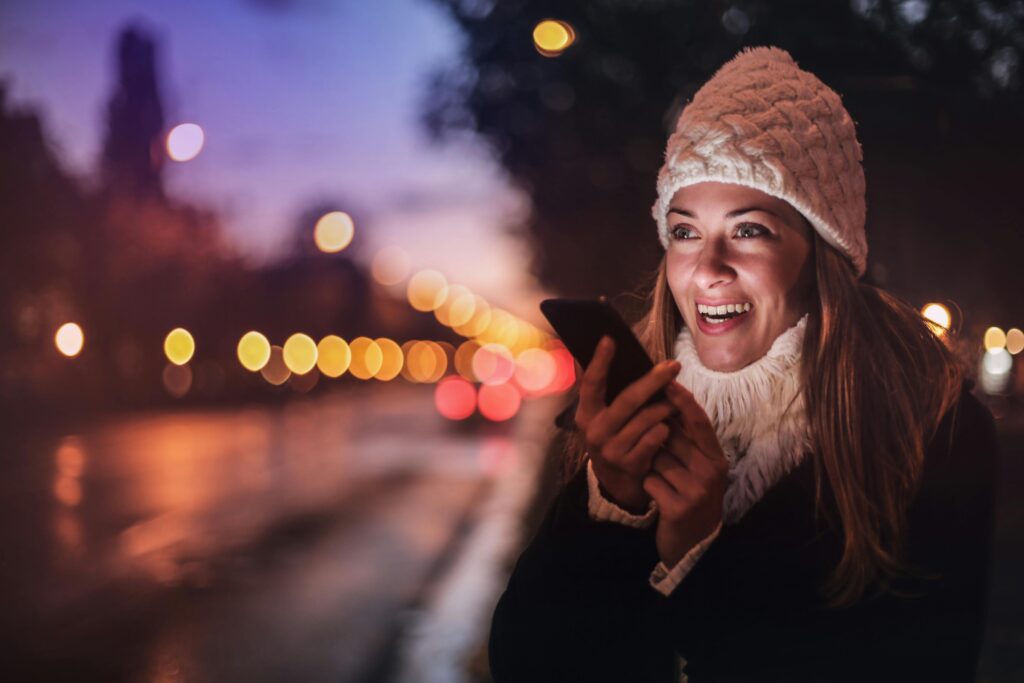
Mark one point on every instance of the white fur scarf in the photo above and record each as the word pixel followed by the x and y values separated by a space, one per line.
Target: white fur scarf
pixel 748 408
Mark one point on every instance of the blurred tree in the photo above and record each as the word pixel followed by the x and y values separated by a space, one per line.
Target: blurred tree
pixel 583 133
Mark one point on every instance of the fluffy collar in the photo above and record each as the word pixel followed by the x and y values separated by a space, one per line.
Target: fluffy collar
pixel 748 408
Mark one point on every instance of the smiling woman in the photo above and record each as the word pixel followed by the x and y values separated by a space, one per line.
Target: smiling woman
pixel 813 502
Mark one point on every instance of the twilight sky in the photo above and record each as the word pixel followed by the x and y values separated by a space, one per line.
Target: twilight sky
pixel 301 101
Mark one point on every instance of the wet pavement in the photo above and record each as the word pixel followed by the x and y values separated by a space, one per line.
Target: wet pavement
pixel 267 544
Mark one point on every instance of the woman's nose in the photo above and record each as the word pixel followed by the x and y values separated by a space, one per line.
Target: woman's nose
pixel 713 267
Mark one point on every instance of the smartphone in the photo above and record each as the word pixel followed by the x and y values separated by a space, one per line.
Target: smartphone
pixel 581 323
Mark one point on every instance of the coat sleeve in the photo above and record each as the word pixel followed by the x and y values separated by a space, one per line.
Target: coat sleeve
pixel 578 605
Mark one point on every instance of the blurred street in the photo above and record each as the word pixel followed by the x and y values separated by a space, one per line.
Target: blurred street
pixel 270 543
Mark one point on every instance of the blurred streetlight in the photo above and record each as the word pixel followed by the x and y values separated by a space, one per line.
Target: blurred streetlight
pixel 1014 341
pixel 69 339
pixel 185 141
pixel 300 353
pixel 551 37
pixel 455 398
pixel 333 356
pixel 938 318
pixel 179 346
pixel 995 339
pixel 333 232
pixel 427 290
pixel 253 351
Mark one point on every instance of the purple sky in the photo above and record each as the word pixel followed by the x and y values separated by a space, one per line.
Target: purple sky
pixel 300 100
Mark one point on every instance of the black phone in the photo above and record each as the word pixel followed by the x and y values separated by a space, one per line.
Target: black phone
pixel 581 323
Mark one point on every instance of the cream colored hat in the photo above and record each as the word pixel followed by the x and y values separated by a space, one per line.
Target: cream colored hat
pixel 763 122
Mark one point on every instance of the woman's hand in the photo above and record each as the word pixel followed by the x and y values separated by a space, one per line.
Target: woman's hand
pixel 622 438
pixel 688 479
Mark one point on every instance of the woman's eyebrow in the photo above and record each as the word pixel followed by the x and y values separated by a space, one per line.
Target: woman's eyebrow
pixel 731 214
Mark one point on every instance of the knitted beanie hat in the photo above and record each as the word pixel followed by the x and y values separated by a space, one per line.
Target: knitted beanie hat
pixel 763 122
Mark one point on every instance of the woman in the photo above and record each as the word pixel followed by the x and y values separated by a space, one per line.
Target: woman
pixel 814 500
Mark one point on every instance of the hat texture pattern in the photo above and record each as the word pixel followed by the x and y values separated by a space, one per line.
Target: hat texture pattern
pixel 763 122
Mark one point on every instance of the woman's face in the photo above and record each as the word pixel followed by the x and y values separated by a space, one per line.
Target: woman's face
pixel 733 245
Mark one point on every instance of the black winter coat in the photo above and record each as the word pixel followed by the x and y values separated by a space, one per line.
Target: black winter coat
pixel 578 606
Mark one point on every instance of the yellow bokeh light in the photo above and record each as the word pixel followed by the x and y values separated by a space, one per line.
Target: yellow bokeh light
pixel 464 359
pixel 426 362
pixel 1015 341
pixel 995 339
pixel 300 353
pixel 427 290
pixel 275 371
pixel 391 359
pixel 253 351
pixel 367 358
pixel 938 316
pixel 69 339
pixel 185 141
pixel 444 311
pixel 179 346
pixel 551 37
pixel 461 309
pixel 333 356
pixel 480 320
pixel 333 232
pixel 390 266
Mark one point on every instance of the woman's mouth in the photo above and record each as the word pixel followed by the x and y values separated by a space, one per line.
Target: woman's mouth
pixel 719 318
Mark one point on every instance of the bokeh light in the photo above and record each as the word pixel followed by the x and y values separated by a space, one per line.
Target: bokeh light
pixel 938 318
pixel 425 361
pixel 275 371
pixel 536 370
pixel 367 358
pixel 391 359
pixel 464 359
pixel 493 364
pixel 333 356
pixel 1014 341
pixel 996 365
pixel 185 141
pixel 391 265
pixel 69 339
pixel 253 351
pixel 498 402
pixel 67 491
pixel 427 290
pixel 179 346
pixel 551 37
pixel 456 300
pixel 995 339
pixel 565 373
pixel 177 379
pixel 300 353
pixel 479 321
pixel 333 232
pixel 455 398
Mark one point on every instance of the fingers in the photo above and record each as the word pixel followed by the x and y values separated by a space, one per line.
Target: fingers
pixel 630 400
pixel 593 382
pixel 695 422
pixel 638 426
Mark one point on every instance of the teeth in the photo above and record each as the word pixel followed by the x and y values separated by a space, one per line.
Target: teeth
pixel 704 309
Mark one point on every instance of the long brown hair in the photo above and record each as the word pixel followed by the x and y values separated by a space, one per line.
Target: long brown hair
pixel 876 383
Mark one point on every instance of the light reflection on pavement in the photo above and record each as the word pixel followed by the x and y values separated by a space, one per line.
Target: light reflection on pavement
pixel 270 543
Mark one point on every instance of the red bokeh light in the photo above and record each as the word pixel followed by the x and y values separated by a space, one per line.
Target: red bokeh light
pixel 499 402
pixel 565 370
pixel 455 398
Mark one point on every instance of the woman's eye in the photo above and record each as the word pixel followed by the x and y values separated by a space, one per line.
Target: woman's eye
pixel 750 230
pixel 680 232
